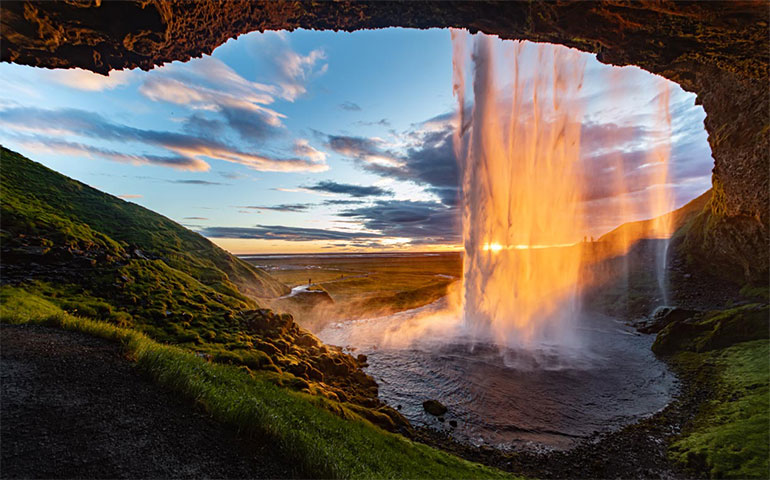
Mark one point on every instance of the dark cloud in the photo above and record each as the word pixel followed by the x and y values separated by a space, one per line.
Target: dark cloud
pixel 202 126
pixel 335 201
pixel 422 222
pixel 355 147
pixel 194 218
pixel 383 122
pixel 286 207
pixel 431 162
pixel 357 191
pixel 279 232
pixel 350 106
pixel 253 127
pixel 197 182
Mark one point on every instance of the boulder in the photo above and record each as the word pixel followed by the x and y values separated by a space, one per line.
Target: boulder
pixel 663 316
pixel 434 407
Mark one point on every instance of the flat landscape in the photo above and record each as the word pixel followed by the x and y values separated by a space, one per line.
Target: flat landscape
pixel 346 286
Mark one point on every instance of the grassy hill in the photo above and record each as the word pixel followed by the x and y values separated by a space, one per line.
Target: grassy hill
pixel 644 228
pixel 99 257
pixel 43 208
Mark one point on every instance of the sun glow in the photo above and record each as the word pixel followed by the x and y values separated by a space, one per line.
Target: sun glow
pixel 496 247
pixel 523 191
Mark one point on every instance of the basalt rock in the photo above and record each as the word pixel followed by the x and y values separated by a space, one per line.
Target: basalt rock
pixel 663 316
pixel 716 49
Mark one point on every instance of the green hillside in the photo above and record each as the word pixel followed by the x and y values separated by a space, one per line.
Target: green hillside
pixel 99 257
pixel 43 208
pixel 645 228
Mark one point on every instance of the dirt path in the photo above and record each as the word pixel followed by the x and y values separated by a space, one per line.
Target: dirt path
pixel 71 406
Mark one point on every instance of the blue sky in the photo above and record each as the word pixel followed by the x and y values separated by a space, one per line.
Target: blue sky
pixel 307 141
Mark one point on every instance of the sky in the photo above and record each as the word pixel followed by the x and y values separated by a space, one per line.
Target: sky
pixel 315 141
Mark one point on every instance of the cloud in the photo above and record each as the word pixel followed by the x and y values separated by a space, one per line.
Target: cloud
pixel 233 175
pixel 286 207
pixel 357 191
pixel 80 79
pixel 129 196
pixel 296 69
pixel 366 150
pixel 429 160
pixel 189 150
pixel 350 106
pixel 421 222
pixel 383 122
pixel 342 202
pixel 194 218
pixel 240 103
pixel 196 182
pixel 303 148
pixel 280 232
pixel 37 143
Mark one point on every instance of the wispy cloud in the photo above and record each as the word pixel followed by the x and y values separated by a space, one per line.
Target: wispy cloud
pixel 189 150
pixel 129 196
pixel 297 69
pixel 358 191
pixel 286 207
pixel 80 79
pixel 350 106
pixel 280 232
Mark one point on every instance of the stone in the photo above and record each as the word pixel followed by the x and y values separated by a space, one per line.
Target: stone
pixel 434 407
pixel 663 316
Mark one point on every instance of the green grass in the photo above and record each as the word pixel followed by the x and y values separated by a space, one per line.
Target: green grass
pixel 317 441
pixel 43 208
pixel 730 438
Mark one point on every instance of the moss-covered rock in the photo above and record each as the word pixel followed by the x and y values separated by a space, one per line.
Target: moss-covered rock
pixel 714 330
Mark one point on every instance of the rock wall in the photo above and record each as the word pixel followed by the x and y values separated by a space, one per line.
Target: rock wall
pixel 717 49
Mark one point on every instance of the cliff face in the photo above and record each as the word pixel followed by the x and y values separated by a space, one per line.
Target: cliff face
pixel 717 49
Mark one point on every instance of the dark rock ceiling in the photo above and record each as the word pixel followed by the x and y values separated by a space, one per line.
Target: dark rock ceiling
pixel 719 50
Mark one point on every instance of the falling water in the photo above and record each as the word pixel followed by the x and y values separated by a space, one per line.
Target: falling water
pixel 661 201
pixel 519 150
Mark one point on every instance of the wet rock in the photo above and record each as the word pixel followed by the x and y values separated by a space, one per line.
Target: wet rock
pixel 434 407
pixel 663 316
pixel 362 359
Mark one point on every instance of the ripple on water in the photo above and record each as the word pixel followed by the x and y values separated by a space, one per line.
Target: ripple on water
pixel 512 398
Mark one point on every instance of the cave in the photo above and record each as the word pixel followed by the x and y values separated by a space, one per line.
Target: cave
pixel 717 50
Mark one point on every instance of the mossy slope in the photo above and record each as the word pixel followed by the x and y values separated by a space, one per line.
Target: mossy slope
pixel 727 352
pixel 99 257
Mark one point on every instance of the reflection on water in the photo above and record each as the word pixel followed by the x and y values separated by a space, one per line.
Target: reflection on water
pixel 544 397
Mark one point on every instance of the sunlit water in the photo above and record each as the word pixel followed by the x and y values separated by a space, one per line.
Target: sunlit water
pixel 536 398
